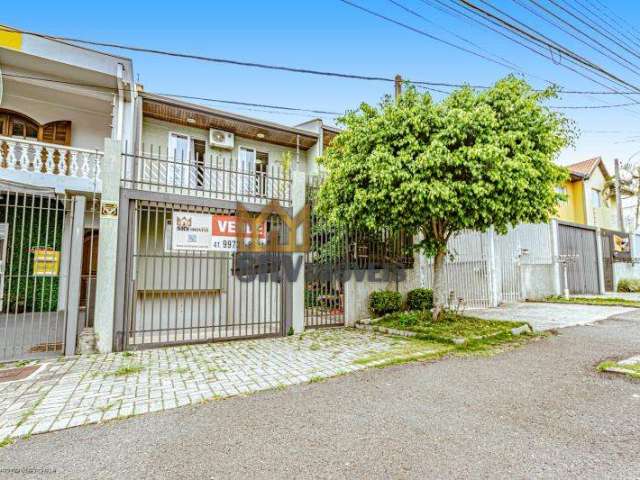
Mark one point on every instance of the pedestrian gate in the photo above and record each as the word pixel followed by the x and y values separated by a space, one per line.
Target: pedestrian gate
pixel 325 265
pixel 33 273
pixel 577 247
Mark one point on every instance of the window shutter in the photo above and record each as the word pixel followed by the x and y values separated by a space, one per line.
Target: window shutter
pixel 56 132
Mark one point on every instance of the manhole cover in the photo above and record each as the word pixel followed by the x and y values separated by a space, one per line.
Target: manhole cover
pixel 11 374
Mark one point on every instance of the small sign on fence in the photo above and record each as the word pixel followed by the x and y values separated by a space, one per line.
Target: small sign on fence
pixel 46 262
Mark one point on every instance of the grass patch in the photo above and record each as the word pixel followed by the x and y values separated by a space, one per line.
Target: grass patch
pixel 316 379
pixel 597 301
pixel 404 351
pixel 434 340
pixel 6 442
pixel 125 370
pixel 630 370
pixel 450 327
pixel 127 354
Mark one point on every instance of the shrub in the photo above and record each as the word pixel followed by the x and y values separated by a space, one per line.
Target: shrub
pixel 629 285
pixel 420 299
pixel 384 301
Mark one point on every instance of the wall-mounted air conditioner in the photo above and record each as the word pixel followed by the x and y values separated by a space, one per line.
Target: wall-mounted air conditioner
pixel 221 139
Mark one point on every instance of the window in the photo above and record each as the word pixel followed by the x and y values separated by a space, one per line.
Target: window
pixel 563 191
pixel 16 125
pixel 262 162
pixel 596 199
pixel 199 150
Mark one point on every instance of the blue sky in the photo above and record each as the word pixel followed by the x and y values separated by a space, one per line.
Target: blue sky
pixel 329 35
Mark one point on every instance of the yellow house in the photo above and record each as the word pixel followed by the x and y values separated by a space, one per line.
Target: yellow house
pixel 587 201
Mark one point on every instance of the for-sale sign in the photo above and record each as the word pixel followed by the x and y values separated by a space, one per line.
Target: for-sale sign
pixel 205 232
pixel 225 233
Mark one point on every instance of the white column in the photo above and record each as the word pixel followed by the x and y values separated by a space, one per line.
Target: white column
pixel 494 283
pixel 108 247
pixel 555 258
pixel 298 187
pixel 74 276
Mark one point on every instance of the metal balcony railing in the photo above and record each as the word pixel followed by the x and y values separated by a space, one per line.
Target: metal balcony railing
pixel 214 175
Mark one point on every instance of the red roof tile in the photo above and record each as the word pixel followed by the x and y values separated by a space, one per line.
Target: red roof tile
pixel 585 168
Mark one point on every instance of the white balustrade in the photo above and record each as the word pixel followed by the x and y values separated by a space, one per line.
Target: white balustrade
pixel 31 156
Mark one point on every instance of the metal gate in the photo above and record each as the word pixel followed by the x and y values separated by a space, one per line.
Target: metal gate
pixel 607 259
pixel 34 228
pixel 509 254
pixel 325 264
pixel 577 245
pixel 190 295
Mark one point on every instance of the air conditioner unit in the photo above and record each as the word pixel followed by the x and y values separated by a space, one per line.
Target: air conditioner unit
pixel 221 139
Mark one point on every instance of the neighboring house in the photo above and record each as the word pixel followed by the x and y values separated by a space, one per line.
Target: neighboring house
pixel 588 202
pixel 58 103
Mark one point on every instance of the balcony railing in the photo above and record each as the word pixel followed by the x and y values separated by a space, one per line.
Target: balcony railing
pixel 213 176
pixel 31 158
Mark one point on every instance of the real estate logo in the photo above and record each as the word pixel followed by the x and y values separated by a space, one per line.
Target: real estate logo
pixel 285 238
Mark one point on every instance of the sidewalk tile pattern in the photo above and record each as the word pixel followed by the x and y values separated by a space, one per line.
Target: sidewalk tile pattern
pixel 102 387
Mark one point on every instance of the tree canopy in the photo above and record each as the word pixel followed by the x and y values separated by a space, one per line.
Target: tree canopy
pixel 471 161
pixel 475 160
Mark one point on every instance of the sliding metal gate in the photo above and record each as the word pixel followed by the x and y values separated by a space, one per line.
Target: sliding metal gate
pixel 33 229
pixel 190 296
pixel 577 244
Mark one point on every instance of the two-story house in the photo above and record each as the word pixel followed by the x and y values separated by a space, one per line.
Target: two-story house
pixel 58 103
pixel 589 200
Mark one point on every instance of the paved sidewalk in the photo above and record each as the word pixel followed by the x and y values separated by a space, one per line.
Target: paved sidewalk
pixel 98 388
pixel 548 316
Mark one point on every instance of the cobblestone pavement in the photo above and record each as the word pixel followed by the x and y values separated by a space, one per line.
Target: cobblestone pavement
pixel 98 388
pixel 548 316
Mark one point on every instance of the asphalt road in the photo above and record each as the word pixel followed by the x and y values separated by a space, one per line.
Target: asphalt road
pixel 540 411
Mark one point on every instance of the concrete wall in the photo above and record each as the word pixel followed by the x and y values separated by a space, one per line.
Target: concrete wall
pixel 538 281
pixel 624 270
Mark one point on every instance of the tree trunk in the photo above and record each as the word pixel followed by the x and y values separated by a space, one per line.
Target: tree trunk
pixel 439 293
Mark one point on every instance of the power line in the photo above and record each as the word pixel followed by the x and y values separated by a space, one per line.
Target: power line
pixel 531 48
pixel 258 105
pixel 459 37
pixel 627 64
pixel 177 95
pixel 536 37
pixel 296 69
pixel 595 29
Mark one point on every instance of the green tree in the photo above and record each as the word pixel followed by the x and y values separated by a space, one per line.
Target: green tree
pixel 475 160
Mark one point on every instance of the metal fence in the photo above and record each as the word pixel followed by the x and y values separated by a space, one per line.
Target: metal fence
pixel 33 273
pixel 188 295
pixel 205 174
pixel 325 265
pixel 466 271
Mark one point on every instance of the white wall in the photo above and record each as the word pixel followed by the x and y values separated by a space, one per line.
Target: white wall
pixel 90 117
pixel 155 138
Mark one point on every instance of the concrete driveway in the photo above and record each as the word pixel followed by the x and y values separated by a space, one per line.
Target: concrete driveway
pixel 539 411
pixel 548 316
